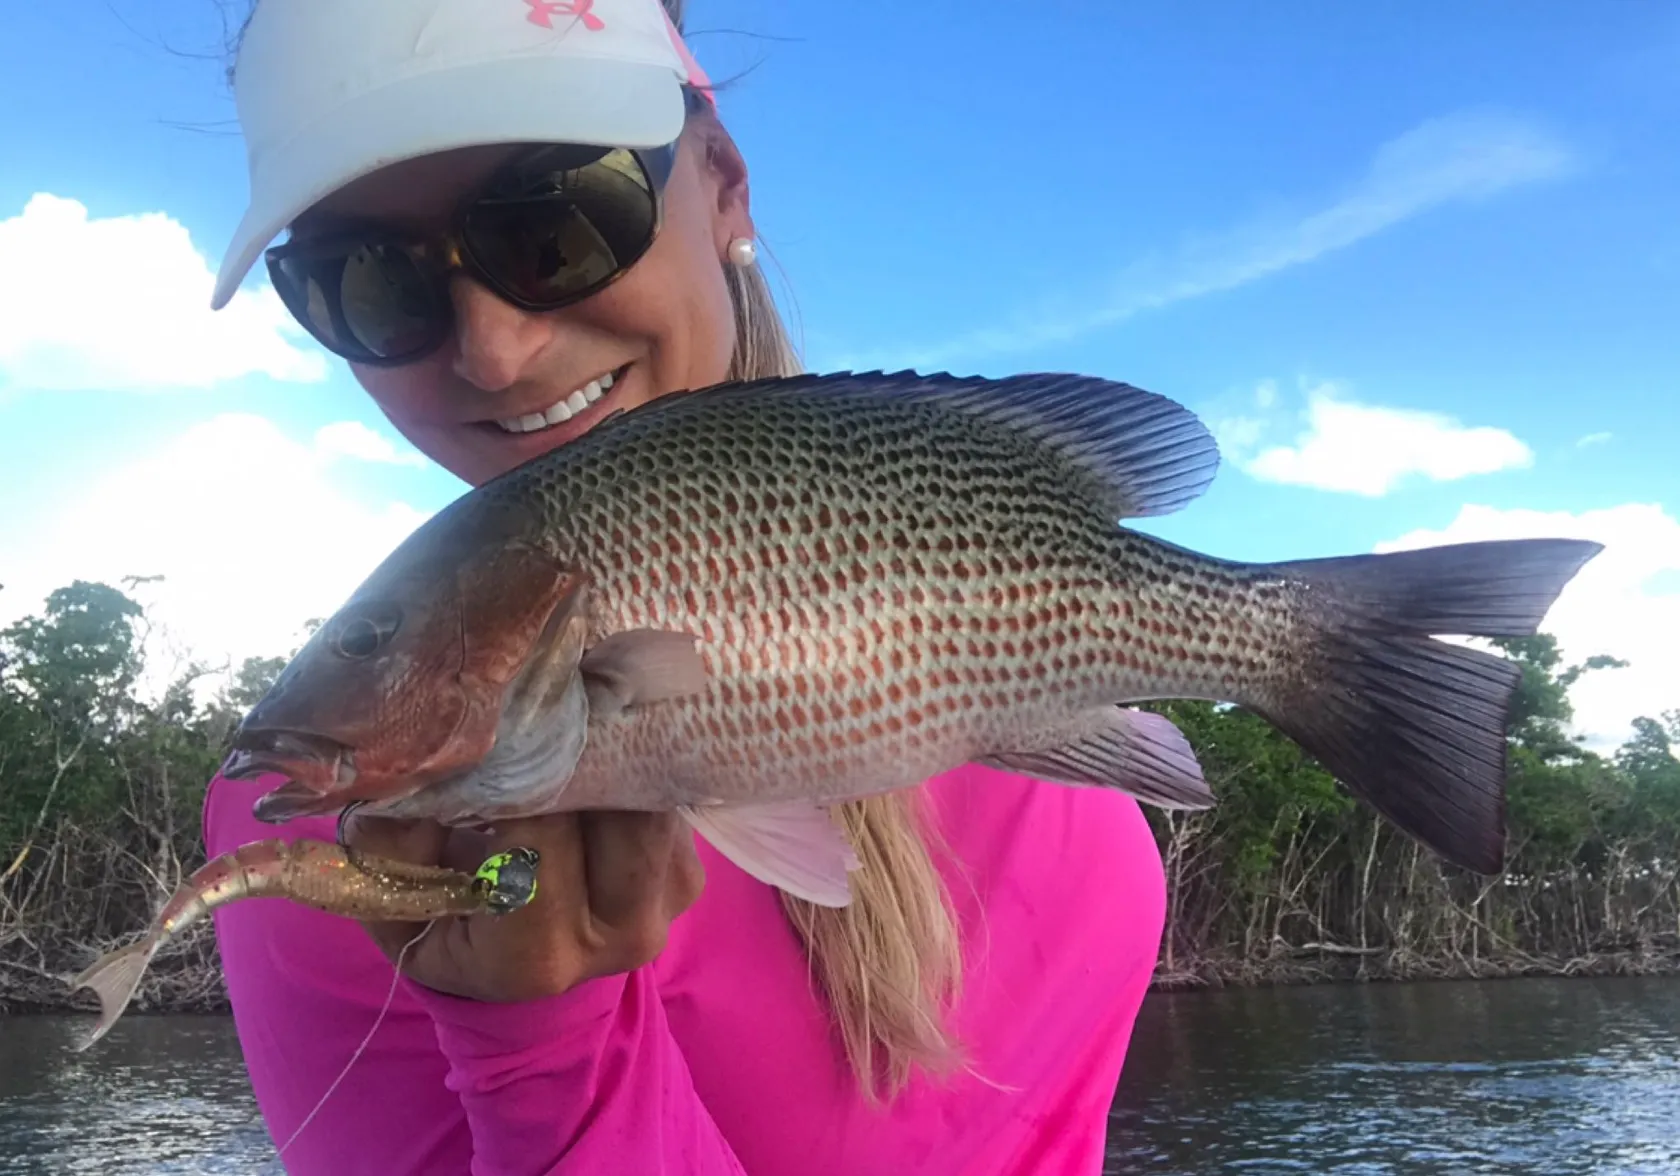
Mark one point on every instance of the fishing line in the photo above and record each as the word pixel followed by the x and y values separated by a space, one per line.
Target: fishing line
pixel 390 996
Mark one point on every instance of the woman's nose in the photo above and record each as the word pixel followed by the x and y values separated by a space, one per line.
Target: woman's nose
pixel 496 343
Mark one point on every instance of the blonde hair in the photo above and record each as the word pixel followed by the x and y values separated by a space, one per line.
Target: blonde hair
pixel 890 962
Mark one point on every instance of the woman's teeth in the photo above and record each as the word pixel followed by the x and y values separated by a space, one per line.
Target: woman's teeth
pixel 560 410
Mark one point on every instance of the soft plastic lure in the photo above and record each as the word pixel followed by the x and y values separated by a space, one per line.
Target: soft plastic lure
pixel 317 874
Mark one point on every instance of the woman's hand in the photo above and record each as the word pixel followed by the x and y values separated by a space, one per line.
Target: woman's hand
pixel 608 886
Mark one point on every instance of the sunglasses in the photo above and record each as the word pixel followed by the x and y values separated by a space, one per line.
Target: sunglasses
pixel 553 226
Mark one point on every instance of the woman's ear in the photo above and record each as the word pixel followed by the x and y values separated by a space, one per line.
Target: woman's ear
pixel 726 173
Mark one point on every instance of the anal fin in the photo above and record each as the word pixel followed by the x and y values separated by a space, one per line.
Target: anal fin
pixel 795 846
pixel 1136 751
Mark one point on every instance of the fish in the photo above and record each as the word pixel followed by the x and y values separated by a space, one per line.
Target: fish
pixel 313 873
pixel 751 602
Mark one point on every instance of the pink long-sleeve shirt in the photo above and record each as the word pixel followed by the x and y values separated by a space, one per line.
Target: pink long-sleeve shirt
pixel 719 1057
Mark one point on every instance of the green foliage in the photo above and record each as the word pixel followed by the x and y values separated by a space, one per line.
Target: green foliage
pixel 1287 858
pixel 78 661
pixel 1560 794
pixel 1271 793
pixel 1649 757
pixel 1648 763
pixel 100 794
pixel 65 681
pixel 100 789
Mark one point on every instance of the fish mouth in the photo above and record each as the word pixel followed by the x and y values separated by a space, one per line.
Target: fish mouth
pixel 318 763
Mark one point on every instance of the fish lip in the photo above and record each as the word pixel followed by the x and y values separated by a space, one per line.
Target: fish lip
pixel 313 760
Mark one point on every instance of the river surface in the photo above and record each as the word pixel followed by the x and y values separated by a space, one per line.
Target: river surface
pixel 1516 1078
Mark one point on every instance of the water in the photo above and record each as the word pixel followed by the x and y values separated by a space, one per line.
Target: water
pixel 158 1095
pixel 1519 1078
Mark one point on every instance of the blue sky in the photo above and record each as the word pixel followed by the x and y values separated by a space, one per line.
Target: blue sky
pixel 1420 268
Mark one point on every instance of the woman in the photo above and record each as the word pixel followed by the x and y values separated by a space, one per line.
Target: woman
pixel 656 1009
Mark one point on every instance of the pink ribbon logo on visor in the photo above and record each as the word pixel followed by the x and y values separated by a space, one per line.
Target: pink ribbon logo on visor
pixel 543 13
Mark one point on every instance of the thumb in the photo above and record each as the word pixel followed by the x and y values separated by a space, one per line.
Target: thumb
pixel 418 841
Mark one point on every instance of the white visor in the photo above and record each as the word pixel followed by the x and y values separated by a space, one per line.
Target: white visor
pixel 329 91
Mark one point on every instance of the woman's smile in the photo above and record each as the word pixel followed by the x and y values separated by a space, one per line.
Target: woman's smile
pixel 566 417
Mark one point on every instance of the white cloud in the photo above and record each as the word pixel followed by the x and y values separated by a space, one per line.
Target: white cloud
pixel 1369 449
pixel 1593 439
pixel 244 523
pixel 354 440
pixel 1457 158
pixel 123 304
pixel 1237 435
pixel 1617 605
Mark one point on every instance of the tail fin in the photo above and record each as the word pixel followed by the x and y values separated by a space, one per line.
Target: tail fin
pixel 114 978
pixel 1416 726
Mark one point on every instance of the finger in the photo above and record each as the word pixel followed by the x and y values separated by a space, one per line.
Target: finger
pixel 627 858
pixel 466 849
pixel 421 949
pixel 421 842
pixel 536 948
pixel 394 938
pixel 687 878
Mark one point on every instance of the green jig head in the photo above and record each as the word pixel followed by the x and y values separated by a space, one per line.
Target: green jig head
pixel 507 880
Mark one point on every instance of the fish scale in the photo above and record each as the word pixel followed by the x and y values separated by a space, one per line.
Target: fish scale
pixel 875 596
pixel 747 602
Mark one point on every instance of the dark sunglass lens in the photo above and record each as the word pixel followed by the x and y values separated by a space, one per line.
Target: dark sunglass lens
pixel 304 292
pixel 367 302
pixel 390 306
pixel 564 233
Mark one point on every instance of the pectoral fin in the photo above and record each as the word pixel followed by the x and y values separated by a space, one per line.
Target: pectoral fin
pixel 1138 752
pixel 796 847
pixel 639 667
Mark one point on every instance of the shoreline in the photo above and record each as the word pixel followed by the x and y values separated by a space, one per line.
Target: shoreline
pixel 26 990
pixel 1376 968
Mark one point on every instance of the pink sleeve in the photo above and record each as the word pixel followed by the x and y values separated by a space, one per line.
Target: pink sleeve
pixel 591 1081
pixel 586 1082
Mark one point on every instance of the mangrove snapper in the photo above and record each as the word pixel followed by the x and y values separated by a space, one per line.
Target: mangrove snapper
pixel 752 601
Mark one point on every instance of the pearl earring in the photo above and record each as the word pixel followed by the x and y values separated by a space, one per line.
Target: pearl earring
pixel 742 252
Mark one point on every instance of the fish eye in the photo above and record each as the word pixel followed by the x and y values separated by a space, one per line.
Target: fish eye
pixel 361 637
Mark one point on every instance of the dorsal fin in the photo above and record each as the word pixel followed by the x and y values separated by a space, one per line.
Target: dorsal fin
pixel 1153 454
